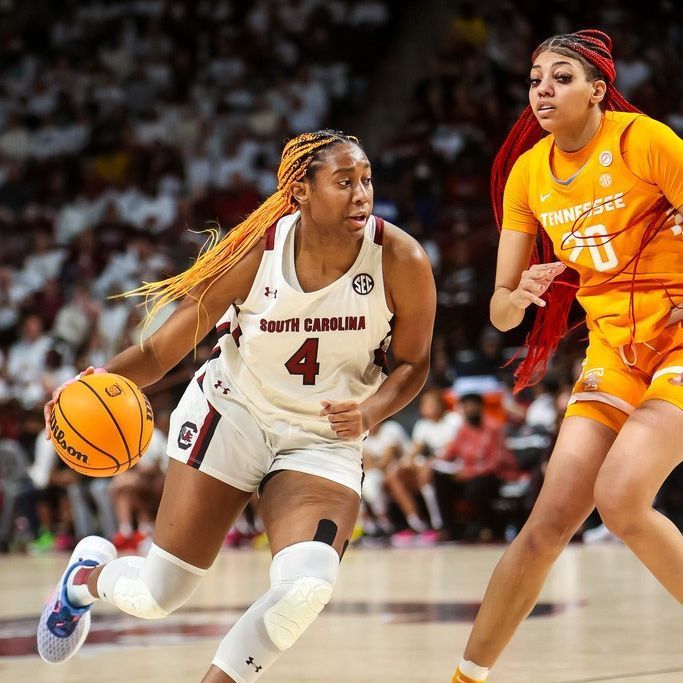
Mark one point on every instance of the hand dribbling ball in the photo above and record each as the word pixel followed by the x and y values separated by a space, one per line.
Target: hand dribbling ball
pixel 101 425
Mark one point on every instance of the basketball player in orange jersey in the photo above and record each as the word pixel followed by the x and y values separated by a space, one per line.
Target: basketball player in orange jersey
pixel 305 295
pixel 601 191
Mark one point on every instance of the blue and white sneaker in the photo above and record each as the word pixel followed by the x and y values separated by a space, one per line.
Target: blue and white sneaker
pixel 63 628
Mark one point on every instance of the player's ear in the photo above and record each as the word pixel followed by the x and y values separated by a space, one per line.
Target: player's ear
pixel 599 91
pixel 300 192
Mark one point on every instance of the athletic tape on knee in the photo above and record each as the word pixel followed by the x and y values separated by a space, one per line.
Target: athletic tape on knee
pixel 150 587
pixel 302 579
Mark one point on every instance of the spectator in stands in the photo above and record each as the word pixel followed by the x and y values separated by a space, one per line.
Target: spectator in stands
pixel 470 470
pixel 411 476
pixel 486 359
pixel 14 486
pixel 91 148
pixel 52 520
pixel 385 445
pixel 26 360
pixel 136 493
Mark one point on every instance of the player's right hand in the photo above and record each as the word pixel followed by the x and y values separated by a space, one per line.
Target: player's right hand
pixel 50 405
pixel 534 283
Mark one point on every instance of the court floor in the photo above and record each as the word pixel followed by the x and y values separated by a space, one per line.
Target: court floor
pixel 399 616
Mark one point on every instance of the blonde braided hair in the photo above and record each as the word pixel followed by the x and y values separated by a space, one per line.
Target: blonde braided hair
pixel 218 255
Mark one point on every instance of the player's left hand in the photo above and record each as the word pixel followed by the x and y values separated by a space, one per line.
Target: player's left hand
pixel 346 418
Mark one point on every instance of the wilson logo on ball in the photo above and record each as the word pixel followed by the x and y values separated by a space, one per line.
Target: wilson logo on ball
pixel 58 437
pixel 113 390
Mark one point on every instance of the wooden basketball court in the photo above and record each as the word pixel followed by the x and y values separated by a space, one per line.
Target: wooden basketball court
pixel 397 616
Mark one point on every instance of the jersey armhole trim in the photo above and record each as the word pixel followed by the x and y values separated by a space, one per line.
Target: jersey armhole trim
pixel 525 232
pixel 379 231
pixel 270 237
pixel 622 144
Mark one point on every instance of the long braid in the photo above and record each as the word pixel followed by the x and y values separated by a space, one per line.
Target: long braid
pixel 524 134
pixel 551 322
pixel 218 255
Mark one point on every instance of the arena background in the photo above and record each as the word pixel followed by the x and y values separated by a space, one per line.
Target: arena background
pixel 125 127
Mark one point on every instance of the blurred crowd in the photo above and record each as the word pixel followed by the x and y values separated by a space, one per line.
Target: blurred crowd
pixel 432 173
pixel 128 127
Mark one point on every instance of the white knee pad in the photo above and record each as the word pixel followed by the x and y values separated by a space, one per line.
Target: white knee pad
pixel 302 577
pixel 150 587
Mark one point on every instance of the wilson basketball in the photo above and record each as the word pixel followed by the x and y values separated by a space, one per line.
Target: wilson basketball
pixel 101 425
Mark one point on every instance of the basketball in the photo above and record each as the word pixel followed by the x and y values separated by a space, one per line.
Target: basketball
pixel 101 425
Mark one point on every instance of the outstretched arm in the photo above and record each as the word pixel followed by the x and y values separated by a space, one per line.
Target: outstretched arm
pixel 148 362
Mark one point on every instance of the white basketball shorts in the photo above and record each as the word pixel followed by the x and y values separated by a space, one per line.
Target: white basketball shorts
pixel 225 440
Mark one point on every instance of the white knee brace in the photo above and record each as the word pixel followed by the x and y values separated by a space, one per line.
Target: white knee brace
pixel 302 577
pixel 150 587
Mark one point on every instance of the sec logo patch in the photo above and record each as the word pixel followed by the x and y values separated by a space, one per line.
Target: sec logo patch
pixel 363 283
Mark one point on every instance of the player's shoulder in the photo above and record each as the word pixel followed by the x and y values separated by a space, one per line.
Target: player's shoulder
pixel 538 153
pixel 621 119
pixel 402 248
pixel 249 263
pixel 536 157
pixel 641 128
pixel 235 282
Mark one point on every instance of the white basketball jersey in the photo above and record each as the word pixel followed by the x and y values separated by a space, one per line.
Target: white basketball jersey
pixel 283 350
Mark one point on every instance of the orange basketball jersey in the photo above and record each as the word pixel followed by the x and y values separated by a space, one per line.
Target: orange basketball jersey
pixel 585 214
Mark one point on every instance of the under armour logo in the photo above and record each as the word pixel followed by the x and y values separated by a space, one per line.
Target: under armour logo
pixel 219 385
pixel 251 661
pixel 270 291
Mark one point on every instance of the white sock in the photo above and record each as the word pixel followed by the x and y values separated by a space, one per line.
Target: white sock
pixel 429 495
pixel 473 671
pixel 77 592
pixel 416 524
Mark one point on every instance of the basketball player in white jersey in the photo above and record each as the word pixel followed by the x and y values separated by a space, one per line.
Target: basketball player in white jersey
pixel 305 296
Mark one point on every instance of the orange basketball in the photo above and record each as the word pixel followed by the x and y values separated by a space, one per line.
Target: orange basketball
pixel 101 425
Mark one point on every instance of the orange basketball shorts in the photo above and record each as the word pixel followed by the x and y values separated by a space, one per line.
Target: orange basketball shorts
pixel 614 381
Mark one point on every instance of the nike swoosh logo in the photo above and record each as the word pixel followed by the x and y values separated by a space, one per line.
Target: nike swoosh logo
pixel 545 196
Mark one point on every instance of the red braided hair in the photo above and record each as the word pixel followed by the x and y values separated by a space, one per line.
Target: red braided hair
pixel 593 49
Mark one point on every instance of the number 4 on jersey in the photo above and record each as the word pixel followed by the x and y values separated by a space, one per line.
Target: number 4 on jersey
pixel 304 362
